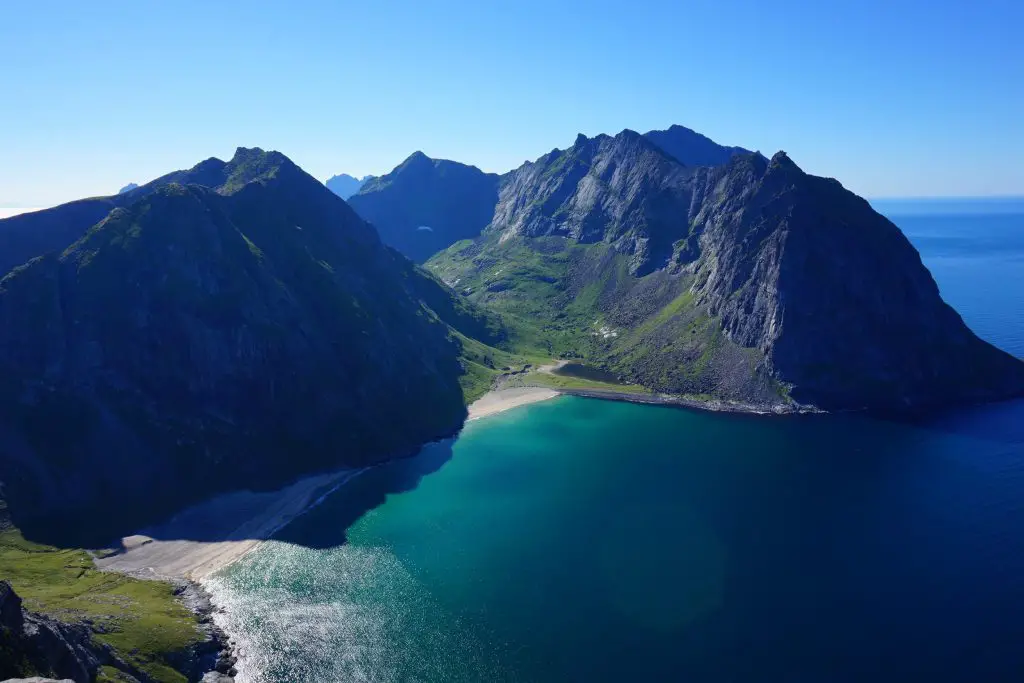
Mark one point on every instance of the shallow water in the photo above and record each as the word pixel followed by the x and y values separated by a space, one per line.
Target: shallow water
pixel 585 540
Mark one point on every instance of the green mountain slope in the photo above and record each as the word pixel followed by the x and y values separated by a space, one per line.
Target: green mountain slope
pixel 750 282
pixel 222 335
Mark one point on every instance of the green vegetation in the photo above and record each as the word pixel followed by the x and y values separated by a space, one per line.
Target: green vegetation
pixel 548 379
pixel 563 299
pixel 141 620
pixel 482 365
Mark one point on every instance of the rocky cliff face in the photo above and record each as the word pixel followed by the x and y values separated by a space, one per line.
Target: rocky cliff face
pixel 621 190
pixel 832 294
pixel 231 333
pixel 749 281
pixel 31 644
pixel 425 204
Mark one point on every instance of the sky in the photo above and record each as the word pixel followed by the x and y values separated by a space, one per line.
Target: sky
pixel 893 98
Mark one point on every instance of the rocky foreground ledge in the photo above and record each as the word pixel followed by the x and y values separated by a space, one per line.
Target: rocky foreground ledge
pixel 35 643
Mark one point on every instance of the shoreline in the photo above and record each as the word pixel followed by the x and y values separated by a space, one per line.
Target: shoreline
pixel 521 382
pixel 166 552
pixel 175 551
pixel 183 548
pixel 499 400
pixel 714 406
pixel 185 564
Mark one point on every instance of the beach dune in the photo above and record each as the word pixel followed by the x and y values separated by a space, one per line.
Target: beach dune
pixel 506 399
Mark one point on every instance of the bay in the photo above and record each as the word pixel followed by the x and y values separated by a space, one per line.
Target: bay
pixel 584 540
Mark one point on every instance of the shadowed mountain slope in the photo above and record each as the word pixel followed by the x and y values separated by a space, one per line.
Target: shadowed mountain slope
pixel 233 331
pixel 425 204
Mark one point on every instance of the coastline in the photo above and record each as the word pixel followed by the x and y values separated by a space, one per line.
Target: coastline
pixel 165 553
pixel 502 399
pixel 714 405
pixel 211 535
pixel 515 389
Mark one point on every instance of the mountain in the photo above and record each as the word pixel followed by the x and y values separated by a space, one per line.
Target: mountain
pixel 691 148
pixel 127 188
pixel 623 190
pixel 28 235
pixel 345 185
pixel 425 205
pixel 234 325
pixel 750 281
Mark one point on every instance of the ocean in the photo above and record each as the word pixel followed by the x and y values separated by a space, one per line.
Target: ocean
pixel 584 540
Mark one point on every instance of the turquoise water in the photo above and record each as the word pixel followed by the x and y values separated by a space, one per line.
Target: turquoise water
pixel 582 540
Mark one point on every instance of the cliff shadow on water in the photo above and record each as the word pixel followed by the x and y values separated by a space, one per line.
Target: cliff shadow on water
pixel 363 494
pixel 242 515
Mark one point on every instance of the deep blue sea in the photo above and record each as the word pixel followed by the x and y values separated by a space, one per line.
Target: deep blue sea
pixel 583 540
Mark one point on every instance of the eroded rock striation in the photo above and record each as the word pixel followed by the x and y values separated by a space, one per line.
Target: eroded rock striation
pixel 749 281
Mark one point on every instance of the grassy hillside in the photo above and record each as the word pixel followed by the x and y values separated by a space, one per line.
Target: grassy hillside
pixel 141 620
pixel 560 298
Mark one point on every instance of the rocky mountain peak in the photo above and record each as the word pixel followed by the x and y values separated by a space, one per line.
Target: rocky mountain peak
pixel 209 328
pixel 426 204
pixel 781 160
pixel 691 148
pixel 744 278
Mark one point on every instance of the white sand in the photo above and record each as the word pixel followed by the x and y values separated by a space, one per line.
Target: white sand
pixel 505 399
pixel 240 521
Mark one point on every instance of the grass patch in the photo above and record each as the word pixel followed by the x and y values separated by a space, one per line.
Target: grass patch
pixel 143 620
pixel 483 364
pixel 546 379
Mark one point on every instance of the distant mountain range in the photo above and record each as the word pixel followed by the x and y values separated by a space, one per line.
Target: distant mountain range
pixel 425 205
pixel 345 185
pixel 127 188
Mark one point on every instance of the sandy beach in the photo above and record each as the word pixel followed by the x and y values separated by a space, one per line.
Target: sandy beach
pixel 211 535
pixel 505 399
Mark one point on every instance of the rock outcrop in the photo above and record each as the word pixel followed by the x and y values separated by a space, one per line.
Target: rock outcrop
pixel 33 644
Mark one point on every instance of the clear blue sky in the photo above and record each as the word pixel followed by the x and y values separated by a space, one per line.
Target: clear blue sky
pixel 894 98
